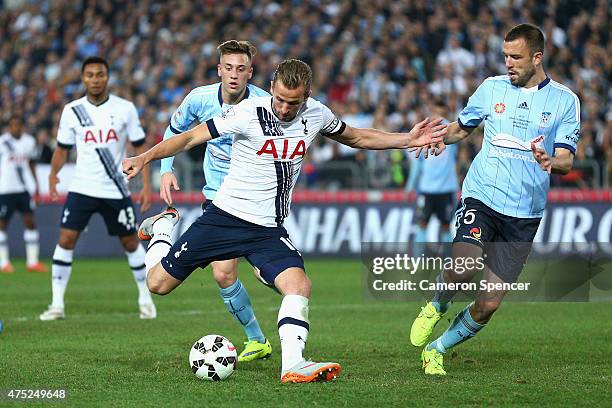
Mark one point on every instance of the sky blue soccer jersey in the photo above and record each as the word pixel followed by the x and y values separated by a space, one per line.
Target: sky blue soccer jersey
pixel 504 175
pixel 436 174
pixel 201 104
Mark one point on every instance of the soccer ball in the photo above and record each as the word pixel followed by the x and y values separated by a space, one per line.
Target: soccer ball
pixel 212 358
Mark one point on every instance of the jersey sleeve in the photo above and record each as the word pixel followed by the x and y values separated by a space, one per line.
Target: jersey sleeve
pixel 332 126
pixel 167 162
pixel 185 115
pixel 475 110
pixel 235 120
pixel 135 132
pixel 568 132
pixel 66 134
pixel 180 121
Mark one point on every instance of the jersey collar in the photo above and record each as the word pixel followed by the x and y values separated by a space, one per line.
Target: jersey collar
pixel 220 96
pixel 537 87
pixel 100 104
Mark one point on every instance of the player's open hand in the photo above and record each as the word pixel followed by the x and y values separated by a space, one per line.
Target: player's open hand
pixel 434 149
pixel 427 133
pixel 542 158
pixel 53 181
pixel 133 165
pixel 168 183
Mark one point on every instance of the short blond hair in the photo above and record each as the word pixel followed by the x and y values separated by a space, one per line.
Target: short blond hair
pixel 237 47
pixel 293 73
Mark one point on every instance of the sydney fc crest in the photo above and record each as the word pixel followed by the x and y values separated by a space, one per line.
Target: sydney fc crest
pixel 545 120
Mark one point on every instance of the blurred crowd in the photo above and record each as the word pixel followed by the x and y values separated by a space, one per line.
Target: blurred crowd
pixel 376 63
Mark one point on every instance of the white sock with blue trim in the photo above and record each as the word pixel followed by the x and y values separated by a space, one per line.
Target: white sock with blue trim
pixel 60 274
pixel 4 250
pixel 136 260
pixel 160 243
pixel 293 329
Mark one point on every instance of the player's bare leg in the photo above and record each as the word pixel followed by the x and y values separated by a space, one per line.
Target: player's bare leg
pixel 136 260
pixel 293 327
pixel 30 237
pixel 61 269
pixel 236 299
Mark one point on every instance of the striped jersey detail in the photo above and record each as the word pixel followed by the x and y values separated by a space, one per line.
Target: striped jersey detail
pixel 106 158
pixel 82 115
pixel 284 182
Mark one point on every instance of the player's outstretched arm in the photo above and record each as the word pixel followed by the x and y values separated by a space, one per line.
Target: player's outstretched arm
pixel 561 163
pixel 169 147
pixel 455 133
pixel 424 133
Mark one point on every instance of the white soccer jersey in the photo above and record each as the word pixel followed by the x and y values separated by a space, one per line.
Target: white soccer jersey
pixel 267 156
pixel 100 134
pixel 15 157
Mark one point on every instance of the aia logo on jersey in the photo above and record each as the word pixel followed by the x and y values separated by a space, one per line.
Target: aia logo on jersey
pixel 100 137
pixel 499 108
pixel 269 147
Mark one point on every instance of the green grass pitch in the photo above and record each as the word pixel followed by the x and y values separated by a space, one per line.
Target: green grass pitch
pixel 538 354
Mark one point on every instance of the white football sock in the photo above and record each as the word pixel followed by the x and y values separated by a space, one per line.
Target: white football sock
pixel 4 250
pixel 136 260
pixel 293 329
pixel 60 274
pixel 160 243
pixel 30 237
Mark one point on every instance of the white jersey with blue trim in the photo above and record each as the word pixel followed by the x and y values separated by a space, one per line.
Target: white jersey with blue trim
pixel 100 133
pixel 504 175
pixel 267 156
pixel 15 157
pixel 200 105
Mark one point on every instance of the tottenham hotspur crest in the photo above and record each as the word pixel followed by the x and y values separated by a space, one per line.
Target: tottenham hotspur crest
pixel 183 248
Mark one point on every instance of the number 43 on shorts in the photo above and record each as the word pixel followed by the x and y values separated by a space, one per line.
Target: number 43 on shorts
pixel 127 218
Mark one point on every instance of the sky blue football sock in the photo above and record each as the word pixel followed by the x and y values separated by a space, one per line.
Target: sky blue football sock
pixel 237 301
pixel 442 298
pixel 462 328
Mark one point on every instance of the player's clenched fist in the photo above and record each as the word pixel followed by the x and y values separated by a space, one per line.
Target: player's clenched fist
pixel 132 166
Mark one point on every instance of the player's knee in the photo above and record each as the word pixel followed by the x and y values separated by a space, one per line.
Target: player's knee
pixel 157 286
pixel 224 275
pixel 129 242
pixel 156 283
pixel 484 309
pixel 67 241
pixel 293 281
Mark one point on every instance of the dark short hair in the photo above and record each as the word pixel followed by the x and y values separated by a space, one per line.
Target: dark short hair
pixel 94 60
pixel 532 35
pixel 237 47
